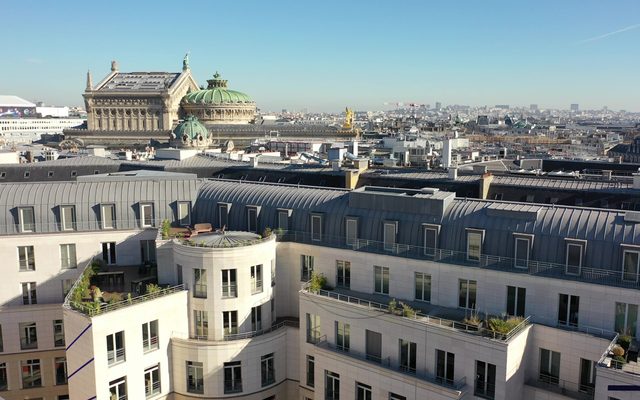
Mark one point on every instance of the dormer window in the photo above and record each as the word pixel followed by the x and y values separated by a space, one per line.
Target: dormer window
pixel 146 215
pixel 431 233
pixel 351 229
pixel 475 237
pixel 68 218
pixel 390 230
pixel 26 220
pixel 630 263
pixel 574 257
pixel 316 227
pixel 522 250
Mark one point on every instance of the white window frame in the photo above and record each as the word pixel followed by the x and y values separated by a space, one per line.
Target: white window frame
pixel 332 379
pixel 343 273
pixel 383 271
pixel 430 249
pixel 152 384
pixel 363 391
pixel 626 329
pixel 409 367
pixel 424 278
pixel 473 232
pixel 230 288
pixel 227 318
pixel 351 230
pixel 582 244
pixel 111 252
pixel 29 293
pixel 200 289
pixel 235 370
pixel 104 207
pixel 256 279
pixel 201 324
pixel 196 371
pixel 181 215
pixel 68 257
pixel 267 370
pixel 284 215
pixel 568 311
pixel 252 219
pixel 34 366
pixel 28 335
pixel 29 258
pixel 58 333
pixel 389 243
pixel 306 264
pixel 343 336
pixel 143 220
pixel 120 387
pixel 24 228
pixel 634 275
pixel 313 328
pixel 516 259
pixel 63 361
pixel 316 221
pixel 226 207
pixel 63 217
pixel 467 294
pixel 256 318
pixel 150 341
pixel 118 355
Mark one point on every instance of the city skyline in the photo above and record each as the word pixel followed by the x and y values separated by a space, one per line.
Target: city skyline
pixel 290 55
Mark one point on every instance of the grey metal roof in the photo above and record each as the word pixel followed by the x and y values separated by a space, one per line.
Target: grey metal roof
pixel 139 81
pixel 561 184
pixel 604 230
pixel 126 195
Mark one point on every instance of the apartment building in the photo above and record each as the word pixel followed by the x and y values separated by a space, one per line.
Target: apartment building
pixel 425 295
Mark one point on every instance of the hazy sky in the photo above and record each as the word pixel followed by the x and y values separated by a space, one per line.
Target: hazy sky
pixel 325 55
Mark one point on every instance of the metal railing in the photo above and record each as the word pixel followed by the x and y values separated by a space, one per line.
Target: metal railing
pixel 92 309
pixel 153 388
pixel 115 356
pixel 566 388
pixel 150 344
pixel 193 242
pixel 292 322
pixel 612 277
pixel 424 318
pixel 385 362
pixel 81 226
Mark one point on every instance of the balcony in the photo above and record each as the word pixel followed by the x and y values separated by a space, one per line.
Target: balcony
pixel 611 277
pixel 565 388
pixel 628 363
pixel 385 363
pixel 87 298
pixel 423 313
pixel 279 324
pixel 224 240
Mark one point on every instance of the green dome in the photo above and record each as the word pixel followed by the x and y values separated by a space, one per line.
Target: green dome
pixel 191 129
pixel 216 93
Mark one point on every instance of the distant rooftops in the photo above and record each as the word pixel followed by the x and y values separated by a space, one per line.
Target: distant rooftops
pixel 136 175
pixel 14 101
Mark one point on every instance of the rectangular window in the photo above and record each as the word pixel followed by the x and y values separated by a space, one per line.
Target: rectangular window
pixel 68 218
pixel 252 219
pixel 115 348
pixel 184 213
pixel 118 389
pixel 568 310
pixel 229 284
pixel 26 258
pixel 28 335
pixel 267 370
pixel 311 371
pixel 363 392
pixel 430 239
pixel 31 374
pixel 343 274
pixel 343 336
pixel 630 265
pixel 283 219
pixel 26 219
pixel 201 324
pixel 549 366
pixel 445 364
pixel 373 345
pixel 626 321
pixel 108 216
pixel 179 279
pixel 58 333
pixel 474 245
pixel 516 297
pixel 60 364
pixel 152 381
pixel 29 293
pixel 273 309
pixel 232 377
pixel 407 356
pixel 485 385
pixel 195 377
pixel 313 328
pixel 393 396
pixel 316 228
pixel 229 322
pixel 521 252
pixel 587 377
pixel 381 279
pixel 389 235
pixel 109 252
pixel 148 251
pixel 256 318
pixel 422 286
pixel 150 336
pixel 4 381
pixel 306 269
pixel 223 215
pixel 68 256
pixel 467 294
pixel 331 385
pixel 146 215
pixel 200 283
pixel 256 278
pixel 351 229
pixel 574 258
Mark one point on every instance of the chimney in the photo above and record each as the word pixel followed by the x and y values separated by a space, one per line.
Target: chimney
pixel 89 81
pixel 453 173
pixel 254 161
pixel 485 183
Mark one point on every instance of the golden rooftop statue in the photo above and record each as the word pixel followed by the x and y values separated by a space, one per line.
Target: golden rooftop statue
pixel 348 119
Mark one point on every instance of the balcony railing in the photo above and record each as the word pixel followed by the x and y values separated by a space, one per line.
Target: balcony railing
pixel 233 386
pixel 611 277
pixel 560 386
pixel 115 356
pixel 194 242
pixel 423 318
pixel 385 362
pixel 151 388
pixel 229 290
pixel 81 226
pixel 291 322
pixel 150 344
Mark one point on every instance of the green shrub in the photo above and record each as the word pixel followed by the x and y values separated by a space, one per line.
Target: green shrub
pixel 318 281
pixel 407 311
pixel 267 232
pixel 153 288
pixel 624 341
pixel 393 306
pixel 164 229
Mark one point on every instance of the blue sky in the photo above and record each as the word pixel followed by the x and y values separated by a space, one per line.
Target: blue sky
pixel 325 55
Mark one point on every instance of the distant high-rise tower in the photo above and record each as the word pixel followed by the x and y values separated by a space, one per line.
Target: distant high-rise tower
pixel 533 107
pixel 574 107
pixel 438 106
